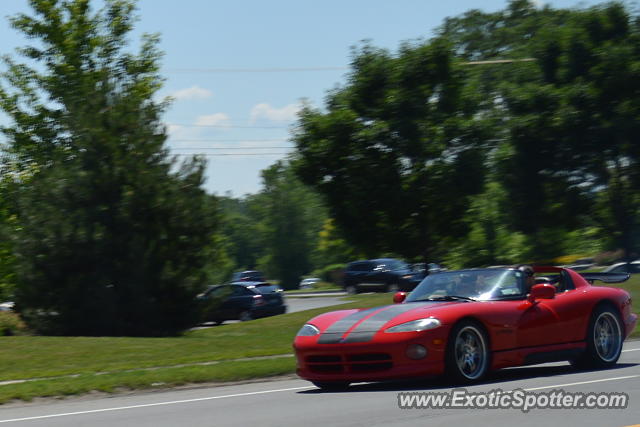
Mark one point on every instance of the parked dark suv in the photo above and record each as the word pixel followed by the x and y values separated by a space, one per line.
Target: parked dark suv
pixel 383 274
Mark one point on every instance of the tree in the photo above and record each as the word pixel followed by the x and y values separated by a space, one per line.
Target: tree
pixel 397 150
pixel 113 234
pixel 292 217
pixel 575 126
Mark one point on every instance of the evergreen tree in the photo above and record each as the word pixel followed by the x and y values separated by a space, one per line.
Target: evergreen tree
pixel 113 234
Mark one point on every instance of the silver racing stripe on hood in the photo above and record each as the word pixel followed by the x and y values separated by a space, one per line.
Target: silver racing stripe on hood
pixel 334 333
pixel 367 329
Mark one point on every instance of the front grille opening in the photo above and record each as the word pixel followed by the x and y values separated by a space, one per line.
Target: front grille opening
pixel 324 359
pixel 326 369
pixel 368 357
pixel 371 367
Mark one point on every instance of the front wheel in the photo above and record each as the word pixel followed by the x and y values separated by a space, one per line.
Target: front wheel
pixel 467 357
pixel 351 289
pixel 604 340
pixel 331 386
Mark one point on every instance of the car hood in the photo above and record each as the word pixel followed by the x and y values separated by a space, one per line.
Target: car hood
pixel 350 326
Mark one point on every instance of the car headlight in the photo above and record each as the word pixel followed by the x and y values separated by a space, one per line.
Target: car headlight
pixel 308 330
pixel 415 325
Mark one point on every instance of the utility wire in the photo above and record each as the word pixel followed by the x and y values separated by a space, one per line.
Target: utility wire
pixel 227 126
pixel 228 140
pixel 232 148
pixel 305 69
pixel 229 154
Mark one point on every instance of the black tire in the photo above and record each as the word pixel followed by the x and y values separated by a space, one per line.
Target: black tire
pixel 351 289
pixel 604 340
pixel 467 358
pixel 331 386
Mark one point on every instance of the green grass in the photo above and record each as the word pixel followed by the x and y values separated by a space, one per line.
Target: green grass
pixel 125 362
pixel 108 364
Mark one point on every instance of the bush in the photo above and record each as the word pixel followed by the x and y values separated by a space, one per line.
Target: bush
pixel 11 324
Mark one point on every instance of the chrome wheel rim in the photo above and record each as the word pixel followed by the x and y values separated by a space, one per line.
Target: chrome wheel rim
pixel 607 337
pixel 470 352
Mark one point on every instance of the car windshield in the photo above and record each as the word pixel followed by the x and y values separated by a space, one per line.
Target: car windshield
pixel 480 285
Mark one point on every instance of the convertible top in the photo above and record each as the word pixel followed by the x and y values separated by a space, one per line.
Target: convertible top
pixel 606 277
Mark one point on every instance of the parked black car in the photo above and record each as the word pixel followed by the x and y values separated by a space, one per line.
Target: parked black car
pixel 241 301
pixel 382 274
pixel 248 276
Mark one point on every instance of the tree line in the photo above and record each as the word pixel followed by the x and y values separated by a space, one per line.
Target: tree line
pixel 431 153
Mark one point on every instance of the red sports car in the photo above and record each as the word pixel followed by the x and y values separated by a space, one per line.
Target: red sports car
pixel 465 323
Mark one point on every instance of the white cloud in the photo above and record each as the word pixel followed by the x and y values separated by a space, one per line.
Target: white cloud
pixel 217 119
pixel 266 111
pixel 194 92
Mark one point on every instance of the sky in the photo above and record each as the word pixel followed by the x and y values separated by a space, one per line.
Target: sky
pixel 239 69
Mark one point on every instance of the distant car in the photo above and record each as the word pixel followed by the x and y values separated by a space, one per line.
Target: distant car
pixel 241 301
pixel 309 282
pixel 6 306
pixel 623 267
pixel 466 323
pixel 248 276
pixel 382 274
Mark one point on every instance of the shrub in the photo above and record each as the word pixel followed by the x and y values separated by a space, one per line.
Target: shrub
pixel 11 324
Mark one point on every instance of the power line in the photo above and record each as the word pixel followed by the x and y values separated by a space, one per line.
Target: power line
pixel 499 61
pixel 231 148
pixel 229 154
pixel 227 126
pixel 306 69
pixel 253 70
pixel 229 140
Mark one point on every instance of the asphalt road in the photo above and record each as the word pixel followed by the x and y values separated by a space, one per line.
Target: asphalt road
pixel 296 402
pixel 301 304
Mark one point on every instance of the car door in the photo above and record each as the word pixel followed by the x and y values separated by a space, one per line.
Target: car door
pixel 553 321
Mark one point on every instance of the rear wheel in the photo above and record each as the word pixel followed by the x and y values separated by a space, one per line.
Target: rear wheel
pixel 467 357
pixel 351 289
pixel 331 386
pixel 604 340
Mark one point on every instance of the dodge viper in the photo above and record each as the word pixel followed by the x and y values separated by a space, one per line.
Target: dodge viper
pixel 466 323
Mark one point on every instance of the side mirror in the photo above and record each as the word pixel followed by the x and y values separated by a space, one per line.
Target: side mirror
pixel 399 297
pixel 542 291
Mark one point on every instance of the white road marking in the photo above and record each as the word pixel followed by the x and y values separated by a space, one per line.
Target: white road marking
pixel 582 382
pixel 174 402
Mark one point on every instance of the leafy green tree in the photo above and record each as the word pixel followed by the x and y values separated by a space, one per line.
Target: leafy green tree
pixel 292 218
pixel 575 125
pixel 113 235
pixel 397 150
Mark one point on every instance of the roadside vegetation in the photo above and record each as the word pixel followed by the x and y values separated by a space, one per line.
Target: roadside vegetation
pixel 203 355
pixel 60 366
